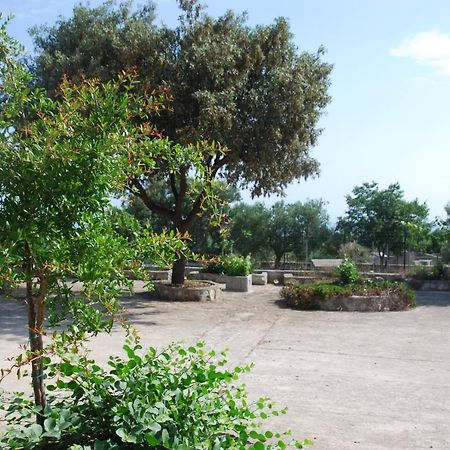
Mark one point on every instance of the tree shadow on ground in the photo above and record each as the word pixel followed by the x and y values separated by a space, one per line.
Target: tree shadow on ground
pixel 13 319
pixel 139 306
pixel 433 298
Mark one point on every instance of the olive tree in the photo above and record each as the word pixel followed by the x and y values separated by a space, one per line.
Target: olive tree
pixel 248 88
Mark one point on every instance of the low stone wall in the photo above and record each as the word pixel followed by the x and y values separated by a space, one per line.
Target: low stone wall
pixel 431 285
pixel 274 276
pixel 216 278
pixel 161 275
pixel 259 278
pixel 239 284
pixel 363 304
pixel 289 278
pixel 206 293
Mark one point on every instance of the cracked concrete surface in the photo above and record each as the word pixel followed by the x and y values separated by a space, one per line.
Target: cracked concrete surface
pixel 364 381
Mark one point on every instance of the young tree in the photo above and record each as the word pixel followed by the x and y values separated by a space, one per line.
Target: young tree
pixel 247 88
pixel 60 160
pixel 384 219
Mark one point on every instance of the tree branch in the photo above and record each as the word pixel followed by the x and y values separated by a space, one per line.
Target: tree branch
pixel 173 185
pixel 152 206
pixel 193 214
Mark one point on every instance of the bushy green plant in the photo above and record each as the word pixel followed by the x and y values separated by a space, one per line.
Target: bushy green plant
pixel 214 265
pixel 347 271
pixel 238 265
pixel 179 398
pixel 233 265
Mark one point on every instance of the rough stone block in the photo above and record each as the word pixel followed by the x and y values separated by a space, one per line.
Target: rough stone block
pixel 239 284
pixel 259 278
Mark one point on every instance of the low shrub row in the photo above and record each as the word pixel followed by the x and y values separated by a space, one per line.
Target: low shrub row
pixel 308 296
pixel 437 272
pixel 232 265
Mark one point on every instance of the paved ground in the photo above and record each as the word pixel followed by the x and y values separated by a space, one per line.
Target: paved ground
pixel 363 381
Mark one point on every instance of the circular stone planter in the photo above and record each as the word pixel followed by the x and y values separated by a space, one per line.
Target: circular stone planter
pixel 364 303
pixel 190 291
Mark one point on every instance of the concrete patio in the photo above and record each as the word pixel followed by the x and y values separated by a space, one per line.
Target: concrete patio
pixel 351 380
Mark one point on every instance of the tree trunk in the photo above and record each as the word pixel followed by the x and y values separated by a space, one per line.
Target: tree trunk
pixel 278 261
pixel 178 270
pixel 35 311
pixel 35 329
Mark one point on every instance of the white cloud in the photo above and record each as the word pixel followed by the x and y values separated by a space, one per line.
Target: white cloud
pixel 431 48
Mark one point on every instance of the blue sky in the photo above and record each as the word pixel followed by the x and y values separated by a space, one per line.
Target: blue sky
pixel 389 119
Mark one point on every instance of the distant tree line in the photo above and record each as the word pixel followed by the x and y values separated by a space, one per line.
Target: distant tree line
pixel 377 221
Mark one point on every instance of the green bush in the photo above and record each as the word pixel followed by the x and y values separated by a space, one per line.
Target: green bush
pixel 233 265
pixel 347 272
pixel 238 265
pixel 437 272
pixel 180 398
pixel 306 296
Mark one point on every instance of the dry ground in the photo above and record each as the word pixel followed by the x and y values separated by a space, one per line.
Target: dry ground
pixel 363 381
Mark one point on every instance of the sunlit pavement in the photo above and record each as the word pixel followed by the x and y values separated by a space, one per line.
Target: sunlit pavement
pixel 350 380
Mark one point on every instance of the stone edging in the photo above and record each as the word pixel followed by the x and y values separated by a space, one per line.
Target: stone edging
pixel 363 303
pixel 173 292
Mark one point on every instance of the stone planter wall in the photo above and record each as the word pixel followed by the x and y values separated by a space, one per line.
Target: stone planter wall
pixel 433 285
pixel 363 304
pixel 239 284
pixel 163 275
pixel 185 293
pixel 259 278
pixel 216 278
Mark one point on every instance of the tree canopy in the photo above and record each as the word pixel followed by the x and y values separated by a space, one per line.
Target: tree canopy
pixel 248 89
pixel 383 219
pixel 298 228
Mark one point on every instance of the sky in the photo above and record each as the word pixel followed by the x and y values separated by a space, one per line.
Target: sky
pixel 389 118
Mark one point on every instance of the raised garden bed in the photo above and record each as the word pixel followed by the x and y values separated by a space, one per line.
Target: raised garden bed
pixel 190 291
pixel 363 296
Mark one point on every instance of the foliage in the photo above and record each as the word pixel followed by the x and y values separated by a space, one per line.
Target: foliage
pixel 60 160
pixel 348 272
pixel 305 296
pixel 205 236
pixel 354 251
pixel 437 272
pixel 384 219
pixel 232 265
pixel 248 89
pixel 301 228
pixel 249 230
pixel 238 266
pixel 179 398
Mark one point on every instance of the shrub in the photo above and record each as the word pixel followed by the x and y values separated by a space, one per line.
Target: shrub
pixel 232 265
pixel 437 272
pixel 180 398
pixel 214 265
pixel 307 296
pixel 347 271
pixel 238 265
